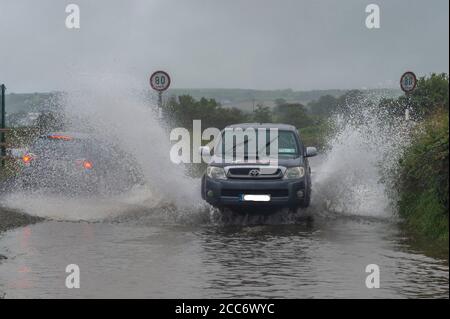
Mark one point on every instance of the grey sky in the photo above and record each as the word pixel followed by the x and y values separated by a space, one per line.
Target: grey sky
pixel 258 44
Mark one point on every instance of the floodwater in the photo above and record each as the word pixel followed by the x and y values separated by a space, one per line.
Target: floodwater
pixel 136 257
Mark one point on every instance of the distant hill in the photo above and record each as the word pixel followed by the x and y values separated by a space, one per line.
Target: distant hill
pixel 241 98
pixel 29 102
pixel 244 95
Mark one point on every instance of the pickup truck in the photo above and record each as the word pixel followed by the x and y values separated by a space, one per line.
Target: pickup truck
pixel 252 179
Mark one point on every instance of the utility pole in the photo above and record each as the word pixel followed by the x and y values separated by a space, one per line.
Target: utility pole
pixel 3 127
pixel 408 106
pixel 160 99
pixel 160 104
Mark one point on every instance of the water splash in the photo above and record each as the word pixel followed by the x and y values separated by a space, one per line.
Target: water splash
pixel 353 177
pixel 114 108
pixel 123 114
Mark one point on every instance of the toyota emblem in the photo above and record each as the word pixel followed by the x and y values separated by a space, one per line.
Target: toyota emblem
pixel 254 172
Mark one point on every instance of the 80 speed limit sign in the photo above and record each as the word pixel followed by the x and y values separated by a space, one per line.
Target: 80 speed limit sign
pixel 408 82
pixel 160 81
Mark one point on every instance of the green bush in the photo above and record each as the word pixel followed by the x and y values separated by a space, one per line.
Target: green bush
pixel 315 135
pixel 424 179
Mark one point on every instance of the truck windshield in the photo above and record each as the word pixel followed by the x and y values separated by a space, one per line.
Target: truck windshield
pixel 244 144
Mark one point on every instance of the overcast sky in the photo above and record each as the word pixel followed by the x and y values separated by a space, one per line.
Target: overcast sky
pixel 257 44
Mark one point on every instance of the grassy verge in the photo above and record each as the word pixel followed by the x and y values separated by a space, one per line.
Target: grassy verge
pixel 10 219
pixel 424 179
pixel 315 135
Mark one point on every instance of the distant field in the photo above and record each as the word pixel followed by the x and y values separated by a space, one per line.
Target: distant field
pixel 242 95
pixel 266 97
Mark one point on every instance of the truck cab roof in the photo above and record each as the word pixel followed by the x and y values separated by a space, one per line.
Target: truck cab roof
pixel 284 127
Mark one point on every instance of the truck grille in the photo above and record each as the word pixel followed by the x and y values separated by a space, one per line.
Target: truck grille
pixel 249 173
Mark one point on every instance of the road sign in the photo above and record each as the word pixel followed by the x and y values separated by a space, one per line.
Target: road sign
pixel 160 81
pixel 408 82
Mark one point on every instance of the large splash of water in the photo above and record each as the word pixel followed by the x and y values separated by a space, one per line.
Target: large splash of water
pixel 354 176
pixel 117 111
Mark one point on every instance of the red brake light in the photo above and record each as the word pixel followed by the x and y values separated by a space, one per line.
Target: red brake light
pixel 87 164
pixel 27 158
pixel 60 137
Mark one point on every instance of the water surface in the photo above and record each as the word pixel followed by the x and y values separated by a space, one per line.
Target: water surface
pixel 138 258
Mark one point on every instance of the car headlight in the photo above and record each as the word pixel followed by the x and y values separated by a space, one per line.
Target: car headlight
pixel 215 172
pixel 294 172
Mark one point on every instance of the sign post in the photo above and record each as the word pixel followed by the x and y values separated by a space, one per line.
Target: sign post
pixel 160 81
pixel 408 83
pixel 3 127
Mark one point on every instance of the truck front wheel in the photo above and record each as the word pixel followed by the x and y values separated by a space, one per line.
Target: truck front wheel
pixel 307 200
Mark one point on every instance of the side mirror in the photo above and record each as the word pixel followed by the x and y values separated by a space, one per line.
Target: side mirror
pixel 311 151
pixel 204 151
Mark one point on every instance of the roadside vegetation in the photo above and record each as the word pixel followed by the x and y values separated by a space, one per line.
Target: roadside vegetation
pixel 423 178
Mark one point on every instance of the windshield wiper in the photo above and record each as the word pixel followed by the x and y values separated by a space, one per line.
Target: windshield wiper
pixel 234 147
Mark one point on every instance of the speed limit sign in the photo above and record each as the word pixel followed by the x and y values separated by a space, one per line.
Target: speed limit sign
pixel 160 81
pixel 408 82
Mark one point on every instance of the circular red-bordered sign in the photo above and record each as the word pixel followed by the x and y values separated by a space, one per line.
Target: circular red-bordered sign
pixel 160 81
pixel 408 82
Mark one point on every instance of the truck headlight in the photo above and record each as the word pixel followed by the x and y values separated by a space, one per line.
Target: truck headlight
pixel 215 172
pixel 294 172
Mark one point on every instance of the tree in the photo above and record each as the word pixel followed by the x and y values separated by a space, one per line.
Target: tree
pixel 183 110
pixel 294 114
pixel 280 101
pixel 430 94
pixel 324 106
pixel 262 114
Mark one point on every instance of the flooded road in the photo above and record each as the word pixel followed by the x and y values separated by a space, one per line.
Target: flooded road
pixel 136 257
pixel 162 241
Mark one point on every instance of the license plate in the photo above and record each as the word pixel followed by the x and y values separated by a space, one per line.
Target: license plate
pixel 255 198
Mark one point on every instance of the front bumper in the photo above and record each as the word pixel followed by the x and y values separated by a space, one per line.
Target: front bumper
pixel 223 193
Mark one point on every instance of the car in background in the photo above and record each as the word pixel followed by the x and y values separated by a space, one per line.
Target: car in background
pixel 75 163
pixel 256 183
